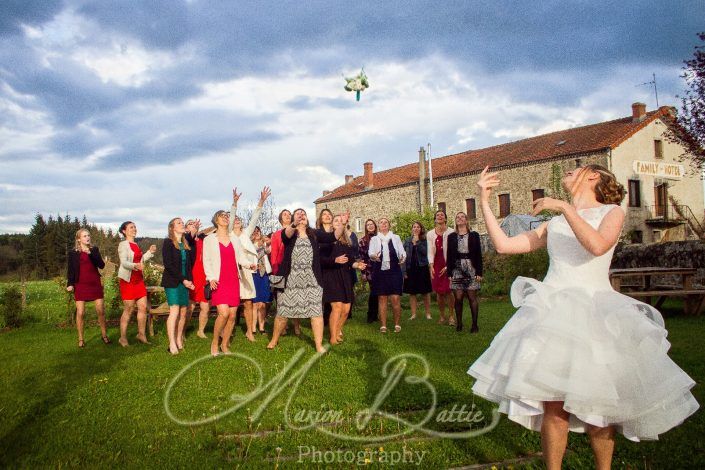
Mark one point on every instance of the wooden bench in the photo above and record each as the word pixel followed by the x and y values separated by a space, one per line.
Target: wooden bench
pixel 162 310
pixel 694 303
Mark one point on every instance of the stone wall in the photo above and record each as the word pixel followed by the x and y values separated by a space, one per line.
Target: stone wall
pixel 683 254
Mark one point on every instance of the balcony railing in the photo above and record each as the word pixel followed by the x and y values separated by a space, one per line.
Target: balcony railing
pixel 666 213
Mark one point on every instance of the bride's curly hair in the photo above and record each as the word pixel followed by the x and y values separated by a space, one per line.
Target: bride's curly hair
pixel 608 190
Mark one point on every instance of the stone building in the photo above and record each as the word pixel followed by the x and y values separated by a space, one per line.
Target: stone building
pixel 664 201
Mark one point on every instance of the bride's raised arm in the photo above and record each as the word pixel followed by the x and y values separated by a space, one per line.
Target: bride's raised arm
pixel 522 243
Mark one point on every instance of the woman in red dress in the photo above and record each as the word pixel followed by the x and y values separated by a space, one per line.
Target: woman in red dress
pixel 132 288
pixel 221 267
pixel 83 279
pixel 197 295
pixel 437 247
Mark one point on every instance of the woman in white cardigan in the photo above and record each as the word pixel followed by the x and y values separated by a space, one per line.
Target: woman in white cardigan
pixel 248 258
pixel 388 256
pixel 132 288
pixel 220 264
pixel 437 247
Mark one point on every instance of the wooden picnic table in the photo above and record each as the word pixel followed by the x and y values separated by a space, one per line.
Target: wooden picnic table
pixel 646 290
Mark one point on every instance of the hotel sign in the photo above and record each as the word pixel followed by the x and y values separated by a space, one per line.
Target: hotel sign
pixel 659 169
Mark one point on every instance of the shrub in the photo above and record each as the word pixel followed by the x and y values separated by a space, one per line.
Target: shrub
pixel 499 271
pixel 11 304
pixel 402 222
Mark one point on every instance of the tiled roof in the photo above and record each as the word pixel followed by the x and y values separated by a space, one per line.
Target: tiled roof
pixel 575 141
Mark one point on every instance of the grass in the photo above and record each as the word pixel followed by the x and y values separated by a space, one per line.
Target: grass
pixel 103 405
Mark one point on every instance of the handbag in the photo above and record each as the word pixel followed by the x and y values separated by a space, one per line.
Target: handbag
pixel 277 282
pixel 207 291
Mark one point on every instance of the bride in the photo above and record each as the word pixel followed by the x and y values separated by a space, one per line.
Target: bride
pixel 578 355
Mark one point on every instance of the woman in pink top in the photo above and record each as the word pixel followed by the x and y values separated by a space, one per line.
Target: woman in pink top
pixel 220 266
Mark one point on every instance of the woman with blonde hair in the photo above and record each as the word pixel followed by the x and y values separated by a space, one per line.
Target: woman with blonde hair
pixel 337 281
pixel 577 355
pixel 177 280
pixel 132 288
pixel 388 254
pixel 465 269
pixel 83 279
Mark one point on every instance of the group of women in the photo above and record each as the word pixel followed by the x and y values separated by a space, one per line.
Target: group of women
pixel 229 266
pixel 577 355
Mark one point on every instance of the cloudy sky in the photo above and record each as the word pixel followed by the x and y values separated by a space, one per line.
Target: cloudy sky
pixel 155 109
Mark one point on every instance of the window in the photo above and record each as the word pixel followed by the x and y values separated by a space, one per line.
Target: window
pixel 658 149
pixel 442 207
pixel 358 224
pixel 470 208
pixel 634 192
pixel 503 205
pixel 537 194
pixel 637 236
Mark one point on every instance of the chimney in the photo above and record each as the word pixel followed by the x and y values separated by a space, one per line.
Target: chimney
pixel 326 192
pixel 348 178
pixel 638 112
pixel 422 178
pixel 369 176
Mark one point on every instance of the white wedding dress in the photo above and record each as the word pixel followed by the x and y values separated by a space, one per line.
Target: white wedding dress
pixel 574 339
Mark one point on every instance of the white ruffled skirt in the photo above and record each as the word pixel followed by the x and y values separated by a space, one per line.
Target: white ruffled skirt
pixel 601 353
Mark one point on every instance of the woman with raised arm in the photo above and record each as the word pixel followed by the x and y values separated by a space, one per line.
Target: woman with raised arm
pixel 437 248
pixel 417 279
pixel 302 296
pixel 577 355
pixel 177 257
pixel 132 288
pixel 221 267
pixel 83 279
pixel 465 269
pixel 366 274
pixel 197 294
pixel 387 254
pixel 337 281
pixel 276 258
pixel 247 255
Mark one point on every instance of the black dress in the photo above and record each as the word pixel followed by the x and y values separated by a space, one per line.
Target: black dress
pixel 337 282
pixel 389 281
pixel 418 278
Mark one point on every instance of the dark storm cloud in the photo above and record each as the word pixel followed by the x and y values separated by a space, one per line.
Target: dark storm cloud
pixel 14 13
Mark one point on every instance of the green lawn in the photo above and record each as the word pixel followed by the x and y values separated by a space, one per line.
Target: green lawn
pixel 64 406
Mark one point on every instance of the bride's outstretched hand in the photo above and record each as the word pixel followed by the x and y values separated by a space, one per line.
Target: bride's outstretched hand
pixel 548 203
pixel 486 182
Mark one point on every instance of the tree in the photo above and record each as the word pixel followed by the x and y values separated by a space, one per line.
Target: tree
pixel 687 128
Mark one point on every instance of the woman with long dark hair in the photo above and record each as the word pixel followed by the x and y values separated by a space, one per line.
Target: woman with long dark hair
pixel 437 247
pixel 417 279
pixel 302 296
pixel 83 279
pixel 465 269
pixel 132 288
pixel 366 274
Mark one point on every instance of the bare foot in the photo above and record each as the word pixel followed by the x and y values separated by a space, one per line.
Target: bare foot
pixel 441 321
pixel 334 342
pixel 250 337
pixel 214 351
pixel 123 342
pixel 142 339
pixel 180 346
pixel 321 350
pixel 271 345
pixel 174 350
pixel 201 334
